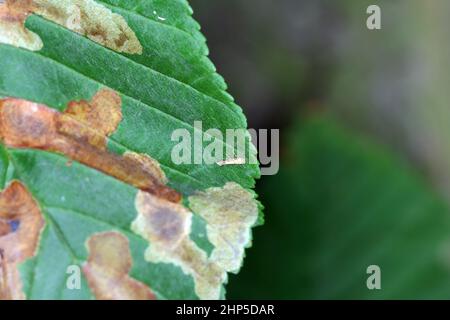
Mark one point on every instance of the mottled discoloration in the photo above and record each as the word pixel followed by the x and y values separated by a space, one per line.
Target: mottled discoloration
pixel 19 243
pixel 167 227
pixel 5 228
pixel 12 30
pixel 150 164
pixel 85 17
pixel 102 114
pixel 93 20
pixel 108 266
pixel 81 135
pixel 229 212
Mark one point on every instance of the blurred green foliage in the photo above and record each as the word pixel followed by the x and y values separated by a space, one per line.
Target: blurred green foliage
pixel 339 204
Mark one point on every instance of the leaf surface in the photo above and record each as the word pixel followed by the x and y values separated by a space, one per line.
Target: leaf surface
pixel 167 87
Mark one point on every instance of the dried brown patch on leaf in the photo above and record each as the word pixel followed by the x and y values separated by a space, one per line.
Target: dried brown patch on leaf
pixel 12 30
pixel 167 227
pixel 20 212
pixel 85 17
pixel 80 133
pixel 5 228
pixel 103 114
pixel 92 20
pixel 150 164
pixel 229 212
pixel 93 121
pixel 108 266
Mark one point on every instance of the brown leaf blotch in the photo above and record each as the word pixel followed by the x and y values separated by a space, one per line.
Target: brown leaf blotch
pixel 108 266
pixel 167 227
pixel 12 30
pixel 17 204
pixel 86 17
pixel 92 19
pixel 5 228
pixel 229 212
pixel 103 113
pixel 95 120
pixel 161 222
pixel 149 164
pixel 81 134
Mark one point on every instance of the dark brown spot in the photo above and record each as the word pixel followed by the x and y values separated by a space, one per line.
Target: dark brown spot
pixel 98 32
pixel 120 41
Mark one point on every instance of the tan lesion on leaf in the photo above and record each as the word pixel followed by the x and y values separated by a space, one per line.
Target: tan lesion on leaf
pixel 86 17
pixel 12 30
pixel 229 212
pixel 103 114
pixel 93 20
pixel 150 165
pixel 18 243
pixel 80 133
pixel 108 266
pixel 167 227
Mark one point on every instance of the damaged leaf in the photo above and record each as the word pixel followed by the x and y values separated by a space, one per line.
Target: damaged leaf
pixel 12 29
pixel 80 133
pixel 167 226
pixel 107 269
pixel 230 213
pixel 91 93
pixel 85 17
pixel 21 222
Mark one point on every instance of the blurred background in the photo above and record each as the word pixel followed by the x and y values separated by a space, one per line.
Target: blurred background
pixel 365 143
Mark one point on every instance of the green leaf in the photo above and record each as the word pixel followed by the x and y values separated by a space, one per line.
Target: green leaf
pixel 171 84
pixel 346 204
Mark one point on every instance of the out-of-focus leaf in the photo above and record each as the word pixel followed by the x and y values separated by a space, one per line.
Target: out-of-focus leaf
pixel 340 204
pixel 384 79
